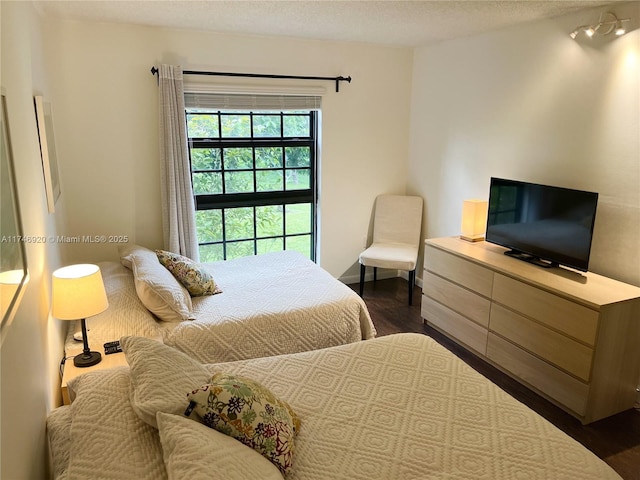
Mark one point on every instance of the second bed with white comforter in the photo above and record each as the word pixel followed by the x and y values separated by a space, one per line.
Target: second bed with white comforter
pixel 270 304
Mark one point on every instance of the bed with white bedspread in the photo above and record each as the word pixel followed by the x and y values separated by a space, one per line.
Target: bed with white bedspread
pixel 270 304
pixel 391 408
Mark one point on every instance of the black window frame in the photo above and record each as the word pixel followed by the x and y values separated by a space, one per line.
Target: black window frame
pixel 255 199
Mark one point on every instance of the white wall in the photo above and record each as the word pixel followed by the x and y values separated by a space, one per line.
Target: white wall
pixel 524 103
pixel 108 126
pixel 32 347
pixel 532 104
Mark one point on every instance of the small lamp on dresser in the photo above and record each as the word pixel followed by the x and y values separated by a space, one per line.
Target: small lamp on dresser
pixel 474 220
pixel 77 293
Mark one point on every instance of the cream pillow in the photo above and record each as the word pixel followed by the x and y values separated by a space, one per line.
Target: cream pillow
pixel 161 377
pixel 163 380
pixel 194 451
pixel 158 290
pixel 122 447
pixel 126 252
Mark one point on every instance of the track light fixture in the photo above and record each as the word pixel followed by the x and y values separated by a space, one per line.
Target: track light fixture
pixel 608 23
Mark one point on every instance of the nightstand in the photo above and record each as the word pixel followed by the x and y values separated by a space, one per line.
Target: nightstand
pixel 71 371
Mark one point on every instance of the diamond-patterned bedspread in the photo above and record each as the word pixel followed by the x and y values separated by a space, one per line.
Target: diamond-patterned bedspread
pixel 393 408
pixel 270 304
pixel 404 407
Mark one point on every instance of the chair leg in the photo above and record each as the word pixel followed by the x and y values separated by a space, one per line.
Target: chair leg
pixel 375 274
pixel 362 269
pixel 412 281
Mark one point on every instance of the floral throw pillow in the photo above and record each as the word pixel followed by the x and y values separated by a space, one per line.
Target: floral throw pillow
pixel 195 279
pixel 249 412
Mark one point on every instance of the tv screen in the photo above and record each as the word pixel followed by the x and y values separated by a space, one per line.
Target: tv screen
pixel 546 225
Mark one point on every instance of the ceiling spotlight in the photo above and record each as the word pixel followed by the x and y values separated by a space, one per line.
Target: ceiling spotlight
pixel 608 23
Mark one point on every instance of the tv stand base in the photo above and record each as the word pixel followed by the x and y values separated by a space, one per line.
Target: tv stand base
pixel 531 259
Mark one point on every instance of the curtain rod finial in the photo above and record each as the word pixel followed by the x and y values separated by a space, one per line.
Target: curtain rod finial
pixel 154 70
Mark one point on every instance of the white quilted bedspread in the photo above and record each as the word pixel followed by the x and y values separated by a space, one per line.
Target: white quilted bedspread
pixel 271 304
pixel 404 407
pixel 398 407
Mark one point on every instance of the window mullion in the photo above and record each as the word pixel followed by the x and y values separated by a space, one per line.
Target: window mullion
pixel 224 234
pixel 255 231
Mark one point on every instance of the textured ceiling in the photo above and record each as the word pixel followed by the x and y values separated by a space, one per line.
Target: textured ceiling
pixel 387 22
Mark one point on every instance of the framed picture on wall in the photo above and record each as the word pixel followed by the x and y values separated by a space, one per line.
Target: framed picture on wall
pixel 13 257
pixel 48 151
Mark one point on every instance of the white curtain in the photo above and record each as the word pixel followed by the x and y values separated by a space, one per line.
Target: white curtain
pixel 178 208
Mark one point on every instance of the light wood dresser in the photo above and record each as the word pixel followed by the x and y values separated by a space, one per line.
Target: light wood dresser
pixel 572 337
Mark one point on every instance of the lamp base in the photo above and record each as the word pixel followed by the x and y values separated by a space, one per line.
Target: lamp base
pixel 87 359
pixel 478 238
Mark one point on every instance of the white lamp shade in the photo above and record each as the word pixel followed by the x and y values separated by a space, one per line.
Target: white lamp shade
pixel 78 292
pixel 474 219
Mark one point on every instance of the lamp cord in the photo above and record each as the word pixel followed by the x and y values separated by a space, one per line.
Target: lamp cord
pixel 62 362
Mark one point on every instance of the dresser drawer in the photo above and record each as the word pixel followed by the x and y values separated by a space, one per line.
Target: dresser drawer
pixel 558 313
pixel 561 387
pixel 460 328
pixel 459 270
pixel 554 347
pixel 458 299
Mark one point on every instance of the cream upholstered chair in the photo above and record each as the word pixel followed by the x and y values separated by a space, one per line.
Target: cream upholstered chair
pixel 396 237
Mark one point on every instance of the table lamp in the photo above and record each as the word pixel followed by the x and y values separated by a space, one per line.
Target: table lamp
pixel 474 220
pixel 77 293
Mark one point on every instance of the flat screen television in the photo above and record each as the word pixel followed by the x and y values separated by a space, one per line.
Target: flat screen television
pixel 542 224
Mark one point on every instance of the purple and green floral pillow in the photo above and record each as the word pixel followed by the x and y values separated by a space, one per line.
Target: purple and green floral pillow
pixel 250 413
pixel 198 281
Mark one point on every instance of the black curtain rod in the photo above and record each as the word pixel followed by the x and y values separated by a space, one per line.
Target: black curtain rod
pixel 154 71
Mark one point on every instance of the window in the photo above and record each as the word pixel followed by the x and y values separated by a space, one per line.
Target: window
pixel 253 173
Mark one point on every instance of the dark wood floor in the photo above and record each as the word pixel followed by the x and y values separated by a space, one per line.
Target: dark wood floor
pixel 615 439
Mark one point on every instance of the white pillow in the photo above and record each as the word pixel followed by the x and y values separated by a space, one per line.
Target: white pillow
pixel 158 290
pixel 107 439
pixel 195 451
pixel 126 251
pixel 161 377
